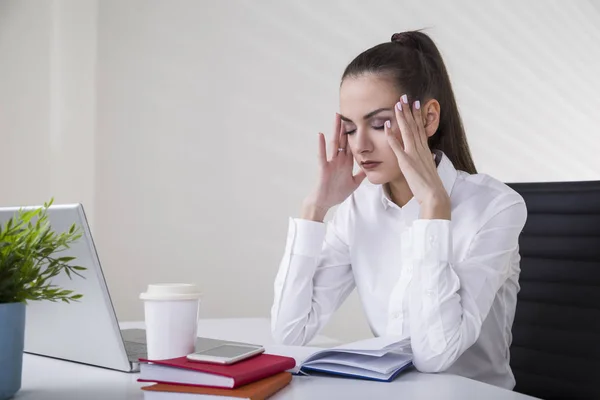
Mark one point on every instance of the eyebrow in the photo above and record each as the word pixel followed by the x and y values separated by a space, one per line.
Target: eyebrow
pixel 367 116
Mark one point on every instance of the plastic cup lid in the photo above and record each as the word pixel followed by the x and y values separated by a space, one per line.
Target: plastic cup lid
pixel 171 291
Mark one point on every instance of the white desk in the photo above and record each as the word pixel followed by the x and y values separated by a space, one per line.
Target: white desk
pixel 49 379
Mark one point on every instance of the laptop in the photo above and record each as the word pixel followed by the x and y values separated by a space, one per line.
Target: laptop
pixel 86 331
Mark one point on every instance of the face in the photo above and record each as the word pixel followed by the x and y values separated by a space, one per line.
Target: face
pixel 366 102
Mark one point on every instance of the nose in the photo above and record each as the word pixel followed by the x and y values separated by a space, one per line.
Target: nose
pixel 363 141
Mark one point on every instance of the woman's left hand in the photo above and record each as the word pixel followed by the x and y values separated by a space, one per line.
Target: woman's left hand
pixel 416 160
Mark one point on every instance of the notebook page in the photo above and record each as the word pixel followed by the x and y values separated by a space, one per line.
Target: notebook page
pixel 377 344
pixel 383 365
pixel 369 347
pixel 346 370
pixel 161 373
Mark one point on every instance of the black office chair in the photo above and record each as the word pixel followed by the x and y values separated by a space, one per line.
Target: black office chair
pixel 555 353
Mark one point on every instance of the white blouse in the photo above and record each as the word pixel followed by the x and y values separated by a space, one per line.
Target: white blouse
pixel 449 285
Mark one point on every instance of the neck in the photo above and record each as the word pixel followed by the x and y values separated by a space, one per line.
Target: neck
pixel 399 192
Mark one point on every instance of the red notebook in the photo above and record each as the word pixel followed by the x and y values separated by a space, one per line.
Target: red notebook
pixel 181 371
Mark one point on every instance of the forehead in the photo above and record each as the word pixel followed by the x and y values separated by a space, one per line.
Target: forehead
pixel 363 94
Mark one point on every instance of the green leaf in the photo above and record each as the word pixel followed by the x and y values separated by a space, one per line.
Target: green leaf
pixel 29 257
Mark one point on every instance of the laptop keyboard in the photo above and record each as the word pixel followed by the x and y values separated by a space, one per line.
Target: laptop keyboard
pixel 135 350
pixel 135 344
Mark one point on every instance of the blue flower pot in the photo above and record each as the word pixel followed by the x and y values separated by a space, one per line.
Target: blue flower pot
pixel 12 336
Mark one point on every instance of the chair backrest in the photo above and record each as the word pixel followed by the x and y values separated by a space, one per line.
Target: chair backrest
pixel 555 351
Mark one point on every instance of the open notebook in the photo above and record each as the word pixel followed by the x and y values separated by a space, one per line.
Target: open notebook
pixel 380 359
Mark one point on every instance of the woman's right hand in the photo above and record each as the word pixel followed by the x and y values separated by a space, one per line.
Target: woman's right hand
pixel 336 181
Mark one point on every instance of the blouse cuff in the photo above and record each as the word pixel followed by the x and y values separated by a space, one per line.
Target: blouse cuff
pixel 307 237
pixel 432 241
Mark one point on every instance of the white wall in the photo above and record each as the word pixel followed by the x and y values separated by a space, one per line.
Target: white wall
pixel 47 101
pixel 196 126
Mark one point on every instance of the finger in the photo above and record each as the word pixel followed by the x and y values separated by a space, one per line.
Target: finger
pixel 343 139
pixel 418 118
pixel 410 122
pixel 407 136
pixel 322 150
pixel 335 142
pixel 359 177
pixel 393 140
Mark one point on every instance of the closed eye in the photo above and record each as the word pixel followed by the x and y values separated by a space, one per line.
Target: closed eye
pixel 376 127
pixel 379 128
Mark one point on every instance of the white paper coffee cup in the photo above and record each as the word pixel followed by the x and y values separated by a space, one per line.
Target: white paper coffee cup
pixel 171 316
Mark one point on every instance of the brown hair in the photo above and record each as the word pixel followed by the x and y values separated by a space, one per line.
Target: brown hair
pixel 412 60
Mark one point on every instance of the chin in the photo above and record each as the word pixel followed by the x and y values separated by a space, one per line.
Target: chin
pixel 377 179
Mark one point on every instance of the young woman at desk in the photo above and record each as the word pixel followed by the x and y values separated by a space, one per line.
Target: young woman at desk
pixel 430 244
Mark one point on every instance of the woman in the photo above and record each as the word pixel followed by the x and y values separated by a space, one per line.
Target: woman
pixel 430 244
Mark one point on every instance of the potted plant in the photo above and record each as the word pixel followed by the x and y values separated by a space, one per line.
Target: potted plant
pixel 29 259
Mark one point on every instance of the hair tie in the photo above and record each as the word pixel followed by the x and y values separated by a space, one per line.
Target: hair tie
pixel 396 37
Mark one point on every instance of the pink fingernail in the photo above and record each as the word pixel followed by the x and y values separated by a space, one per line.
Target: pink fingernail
pixel 417 104
pixel 388 124
pixel 399 106
pixel 404 99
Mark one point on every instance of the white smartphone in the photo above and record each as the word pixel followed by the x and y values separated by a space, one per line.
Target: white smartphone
pixel 226 353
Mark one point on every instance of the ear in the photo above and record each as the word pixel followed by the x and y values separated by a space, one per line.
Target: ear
pixel 431 117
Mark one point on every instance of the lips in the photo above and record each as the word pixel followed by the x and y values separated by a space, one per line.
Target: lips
pixel 370 164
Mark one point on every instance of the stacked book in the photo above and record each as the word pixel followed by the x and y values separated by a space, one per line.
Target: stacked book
pixel 259 377
pixel 255 378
